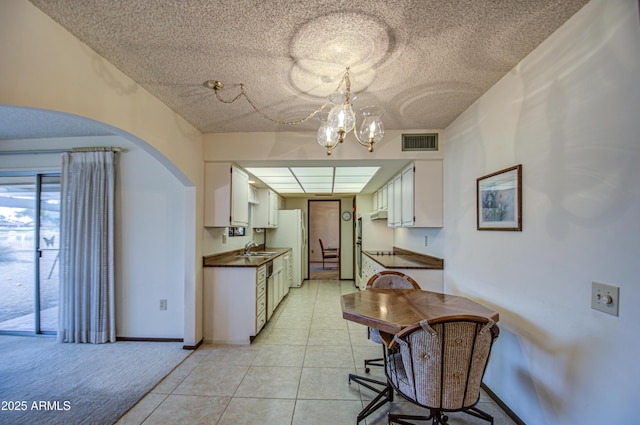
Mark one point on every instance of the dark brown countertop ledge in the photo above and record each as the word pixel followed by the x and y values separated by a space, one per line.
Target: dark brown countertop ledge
pixel 404 259
pixel 231 259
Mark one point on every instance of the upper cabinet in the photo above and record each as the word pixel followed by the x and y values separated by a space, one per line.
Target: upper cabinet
pixel 413 197
pixel 394 201
pixel 379 199
pixel 407 218
pixel 266 211
pixel 226 200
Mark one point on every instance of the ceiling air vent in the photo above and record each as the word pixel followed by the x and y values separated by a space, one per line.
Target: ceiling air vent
pixel 420 142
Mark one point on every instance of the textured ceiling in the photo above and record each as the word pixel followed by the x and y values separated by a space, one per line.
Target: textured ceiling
pixel 423 61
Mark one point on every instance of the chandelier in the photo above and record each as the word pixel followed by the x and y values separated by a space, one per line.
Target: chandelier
pixel 339 122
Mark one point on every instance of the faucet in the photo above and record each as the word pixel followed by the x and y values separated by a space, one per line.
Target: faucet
pixel 248 246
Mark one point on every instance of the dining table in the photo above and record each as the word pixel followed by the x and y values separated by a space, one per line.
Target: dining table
pixel 391 310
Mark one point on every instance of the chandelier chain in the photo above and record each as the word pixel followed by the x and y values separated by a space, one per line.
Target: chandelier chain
pixel 345 79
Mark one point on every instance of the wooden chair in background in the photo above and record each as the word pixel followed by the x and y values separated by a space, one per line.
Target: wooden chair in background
pixel 329 253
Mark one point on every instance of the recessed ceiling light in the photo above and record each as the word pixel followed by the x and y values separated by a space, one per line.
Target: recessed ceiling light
pixel 314 179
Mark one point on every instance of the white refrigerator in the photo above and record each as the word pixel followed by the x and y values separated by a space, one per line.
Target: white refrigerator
pixel 290 233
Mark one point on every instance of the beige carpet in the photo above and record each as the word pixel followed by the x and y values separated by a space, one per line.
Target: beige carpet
pixel 46 382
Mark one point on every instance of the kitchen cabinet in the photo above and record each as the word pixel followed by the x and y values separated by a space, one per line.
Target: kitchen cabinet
pixel 379 199
pixel 415 198
pixel 406 196
pixel 266 211
pixel 383 198
pixel 374 201
pixel 427 194
pixel 226 198
pixel 235 303
pixel 288 272
pixel 369 268
pixel 261 296
pixel 275 286
pixel 394 206
pixel 429 279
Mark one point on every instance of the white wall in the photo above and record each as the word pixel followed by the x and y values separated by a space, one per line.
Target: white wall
pixel 150 244
pixel 569 114
pixel 149 226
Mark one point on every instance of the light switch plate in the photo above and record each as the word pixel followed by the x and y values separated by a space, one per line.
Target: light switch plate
pixel 605 297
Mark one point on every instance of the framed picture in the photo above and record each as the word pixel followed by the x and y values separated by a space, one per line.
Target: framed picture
pixel 499 200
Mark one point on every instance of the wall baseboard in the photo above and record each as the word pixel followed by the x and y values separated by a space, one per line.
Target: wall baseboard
pixel 193 347
pixel 126 338
pixel 502 405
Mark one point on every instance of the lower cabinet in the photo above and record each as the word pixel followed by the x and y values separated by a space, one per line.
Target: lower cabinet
pixel 239 301
pixel 275 286
pixel 288 273
pixel 235 303
pixel 428 279
pixel 261 294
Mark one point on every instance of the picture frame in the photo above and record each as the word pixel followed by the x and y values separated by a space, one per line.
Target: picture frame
pixel 499 200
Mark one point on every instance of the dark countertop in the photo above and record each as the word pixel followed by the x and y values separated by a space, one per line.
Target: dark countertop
pixel 403 259
pixel 230 259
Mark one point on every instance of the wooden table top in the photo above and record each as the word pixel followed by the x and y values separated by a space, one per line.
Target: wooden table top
pixel 391 310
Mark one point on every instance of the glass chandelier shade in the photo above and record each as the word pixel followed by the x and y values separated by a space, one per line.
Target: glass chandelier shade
pixel 341 119
pixel 327 137
pixel 370 130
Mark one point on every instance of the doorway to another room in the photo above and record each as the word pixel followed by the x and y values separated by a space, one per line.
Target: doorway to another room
pixel 324 240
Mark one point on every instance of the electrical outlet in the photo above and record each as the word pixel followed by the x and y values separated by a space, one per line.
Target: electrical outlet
pixel 163 304
pixel 605 298
pixel 224 238
pixel 426 240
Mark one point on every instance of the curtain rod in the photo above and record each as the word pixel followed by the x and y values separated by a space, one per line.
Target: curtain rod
pixel 54 151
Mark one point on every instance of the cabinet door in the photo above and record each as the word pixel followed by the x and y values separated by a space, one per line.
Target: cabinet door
pixel 374 201
pixel 266 212
pixel 217 194
pixel 239 197
pixel 397 202
pixel 274 205
pixel 288 273
pixel 407 215
pixel 384 198
pixel 427 201
pixel 390 203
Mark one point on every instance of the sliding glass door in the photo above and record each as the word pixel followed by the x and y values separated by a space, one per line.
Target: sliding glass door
pixel 29 253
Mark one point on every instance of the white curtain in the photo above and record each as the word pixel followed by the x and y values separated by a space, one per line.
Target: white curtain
pixel 87 304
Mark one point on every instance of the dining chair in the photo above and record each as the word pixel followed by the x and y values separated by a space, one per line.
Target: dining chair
pixel 389 279
pixel 440 366
pixel 328 253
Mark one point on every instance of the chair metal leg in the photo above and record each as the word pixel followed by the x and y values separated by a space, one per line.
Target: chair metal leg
pixel 372 362
pixel 437 417
pixel 385 394
pixel 474 411
pixel 400 419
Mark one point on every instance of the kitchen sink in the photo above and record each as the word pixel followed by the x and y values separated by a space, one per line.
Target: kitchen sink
pixel 257 254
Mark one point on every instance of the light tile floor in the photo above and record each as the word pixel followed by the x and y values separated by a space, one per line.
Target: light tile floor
pixel 294 373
